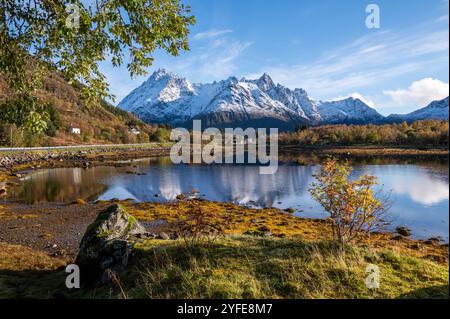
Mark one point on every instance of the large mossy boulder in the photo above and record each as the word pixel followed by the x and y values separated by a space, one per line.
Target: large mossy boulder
pixel 105 247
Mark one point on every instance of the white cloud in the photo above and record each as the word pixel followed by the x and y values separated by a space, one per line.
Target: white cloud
pixel 367 61
pixel 215 60
pixel 210 34
pixel 420 92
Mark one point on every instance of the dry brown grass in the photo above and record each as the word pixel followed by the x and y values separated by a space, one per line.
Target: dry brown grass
pixel 18 258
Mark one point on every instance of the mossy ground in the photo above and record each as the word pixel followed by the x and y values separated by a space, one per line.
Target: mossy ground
pixel 300 260
pixel 280 223
pixel 27 273
pixel 235 267
pixel 5 213
pixel 251 267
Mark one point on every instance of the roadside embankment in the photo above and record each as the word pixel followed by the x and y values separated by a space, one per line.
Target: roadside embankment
pixel 80 156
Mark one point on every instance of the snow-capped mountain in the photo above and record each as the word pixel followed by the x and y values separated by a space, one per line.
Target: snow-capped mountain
pixel 168 98
pixel 349 111
pixel 436 110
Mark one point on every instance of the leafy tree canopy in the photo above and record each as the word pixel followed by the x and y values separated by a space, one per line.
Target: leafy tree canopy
pixel 73 36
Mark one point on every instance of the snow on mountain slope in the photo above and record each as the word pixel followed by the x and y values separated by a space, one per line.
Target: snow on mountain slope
pixel 349 110
pixel 164 97
pixel 436 110
pixel 167 98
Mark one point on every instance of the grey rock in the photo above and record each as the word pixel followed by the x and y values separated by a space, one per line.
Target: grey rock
pixel 106 245
pixel 163 236
pixel 433 240
pixel 181 197
pixel 403 231
pixel 146 235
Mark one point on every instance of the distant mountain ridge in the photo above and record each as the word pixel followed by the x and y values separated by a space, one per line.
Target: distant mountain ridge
pixel 436 110
pixel 171 99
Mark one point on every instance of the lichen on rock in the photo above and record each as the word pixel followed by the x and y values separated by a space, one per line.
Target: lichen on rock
pixel 106 244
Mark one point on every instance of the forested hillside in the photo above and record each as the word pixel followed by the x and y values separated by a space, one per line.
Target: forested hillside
pixel 101 124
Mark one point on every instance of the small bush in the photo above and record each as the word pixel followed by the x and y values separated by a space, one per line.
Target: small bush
pixel 201 226
pixel 355 210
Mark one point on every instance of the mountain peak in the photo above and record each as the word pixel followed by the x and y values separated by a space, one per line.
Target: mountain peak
pixel 232 80
pixel 162 73
pixel 436 110
pixel 300 91
pixel 168 98
pixel 265 77
pixel 443 103
pixel 265 82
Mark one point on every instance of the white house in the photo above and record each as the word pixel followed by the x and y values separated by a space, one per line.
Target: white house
pixel 135 131
pixel 75 130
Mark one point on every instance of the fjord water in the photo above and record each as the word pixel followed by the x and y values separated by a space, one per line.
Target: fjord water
pixel 419 189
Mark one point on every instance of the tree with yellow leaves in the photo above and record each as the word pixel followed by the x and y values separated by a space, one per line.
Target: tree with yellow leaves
pixel 355 208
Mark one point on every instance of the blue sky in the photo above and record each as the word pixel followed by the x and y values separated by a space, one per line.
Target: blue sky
pixel 322 46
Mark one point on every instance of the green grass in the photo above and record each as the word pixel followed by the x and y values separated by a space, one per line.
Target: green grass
pixel 247 267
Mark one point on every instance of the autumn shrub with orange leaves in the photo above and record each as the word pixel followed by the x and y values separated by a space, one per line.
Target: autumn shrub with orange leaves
pixel 201 226
pixel 355 208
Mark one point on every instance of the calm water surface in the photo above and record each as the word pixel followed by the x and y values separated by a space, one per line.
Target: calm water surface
pixel 419 191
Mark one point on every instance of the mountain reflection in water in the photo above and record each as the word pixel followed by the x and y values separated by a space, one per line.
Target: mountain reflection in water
pixel 420 192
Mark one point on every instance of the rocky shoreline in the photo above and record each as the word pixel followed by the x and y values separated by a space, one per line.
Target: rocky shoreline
pixel 12 160
pixel 18 160
pixel 15 165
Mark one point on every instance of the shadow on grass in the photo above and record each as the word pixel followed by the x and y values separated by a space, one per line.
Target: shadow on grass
pixel 436 292
pixel 40 284
pixel 236 267
pixel 32 284
pixel 252 267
